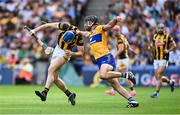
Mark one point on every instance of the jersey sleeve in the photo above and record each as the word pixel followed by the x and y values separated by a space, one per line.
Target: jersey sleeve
pixel 119 41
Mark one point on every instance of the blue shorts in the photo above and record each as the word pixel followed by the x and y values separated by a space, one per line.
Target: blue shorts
pixel 107 59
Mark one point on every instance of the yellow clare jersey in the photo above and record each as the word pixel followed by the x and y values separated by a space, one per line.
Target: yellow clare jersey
pixel 98 42
pixel 160 43
pixel 122 40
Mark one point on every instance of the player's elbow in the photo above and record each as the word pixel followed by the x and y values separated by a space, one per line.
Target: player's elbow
pixel 64 26
pixel 107 27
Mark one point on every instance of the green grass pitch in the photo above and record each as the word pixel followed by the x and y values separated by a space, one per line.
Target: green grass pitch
pixel 22 100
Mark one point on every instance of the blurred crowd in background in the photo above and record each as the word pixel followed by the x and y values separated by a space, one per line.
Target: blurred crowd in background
pixel 17 48
pixel 20 52
pixel 141 18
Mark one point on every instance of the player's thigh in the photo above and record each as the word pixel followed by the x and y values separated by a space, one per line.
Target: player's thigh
pixel 161 70
pixel 156 66
pixel 56 63
pixel 104 69
pixel 159 67
pixel 56 74
pixel 162 67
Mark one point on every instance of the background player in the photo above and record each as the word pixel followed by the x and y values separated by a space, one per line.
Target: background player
pixel 105 60
pixel 66 41
pixel 162 44
pixel 122 63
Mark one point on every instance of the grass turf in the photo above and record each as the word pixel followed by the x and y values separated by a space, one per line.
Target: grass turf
pixel 22 100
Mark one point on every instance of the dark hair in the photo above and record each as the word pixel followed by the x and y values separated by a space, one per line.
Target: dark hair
pixel 92 18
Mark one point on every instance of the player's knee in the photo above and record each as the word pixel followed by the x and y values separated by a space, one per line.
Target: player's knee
pixel 112 81
pixel 161 70
pixel 55 80
pixel 103 76
pixel 158 77
pixel 51 70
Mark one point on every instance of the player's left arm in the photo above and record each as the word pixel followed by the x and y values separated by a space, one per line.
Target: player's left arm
pixel 151 47
pixel 131 49
pixel 112 23
pixel 80 51
pixel 172 45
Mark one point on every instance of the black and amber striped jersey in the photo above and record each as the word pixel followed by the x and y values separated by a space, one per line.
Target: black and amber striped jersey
pixel 122 40
pixel 160 43
pixel 78 41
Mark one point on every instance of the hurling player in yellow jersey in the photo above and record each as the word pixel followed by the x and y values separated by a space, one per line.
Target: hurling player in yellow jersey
pixel 103 57
pixel 122 59
pixel 67 39
pixel 162 44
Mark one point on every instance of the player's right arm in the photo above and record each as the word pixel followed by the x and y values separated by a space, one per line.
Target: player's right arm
pixel 130 48
pixel 151 47
pixel 112 23
pixel 83 33
pixel 56 25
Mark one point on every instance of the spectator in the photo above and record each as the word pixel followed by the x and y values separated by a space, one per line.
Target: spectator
pixel 140 18
pixel 26 72
pixel 12 60
pixel 174 58
pixel 2 59
pixel 15 42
